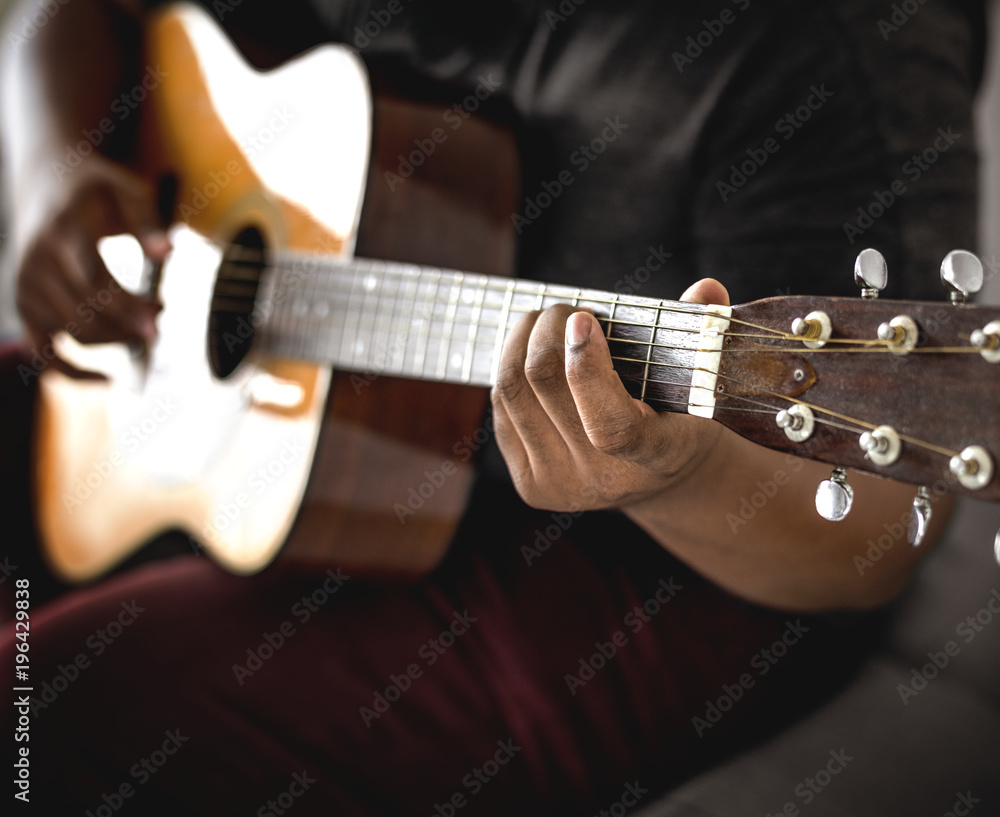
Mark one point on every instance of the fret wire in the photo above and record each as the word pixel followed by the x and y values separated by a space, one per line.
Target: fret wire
pixel 473 331
pixel 611 318
pixel 444 353
pixel 649 356
pixel 347 339
pixel 502 330
pixel 364 339
pixel 391 336
pixel 397 330
pixel 310 296
pixel 378 317
pixel 273 325
pixel 420 354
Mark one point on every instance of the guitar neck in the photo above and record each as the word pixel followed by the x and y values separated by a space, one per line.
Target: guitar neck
pixel 376 317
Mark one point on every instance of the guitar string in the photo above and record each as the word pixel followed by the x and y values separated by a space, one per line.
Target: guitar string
pixel 816 408
pixel 768 409
pixel 500 285
pixel 534 290
pixel 505 286
pixel 355 266
pixel 855 345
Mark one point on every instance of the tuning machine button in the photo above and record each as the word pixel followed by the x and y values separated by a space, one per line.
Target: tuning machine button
pixel 901 334
pixel 882 445
pixel 920 517
pixel 834 497
pixel 798 422
pixel 870 273
pixel 814 329
pixel 987 340
pixel 996 547
pixel 962 274
pixel 973 467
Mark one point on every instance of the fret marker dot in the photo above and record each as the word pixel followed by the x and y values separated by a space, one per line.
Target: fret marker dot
pixel 468 297
pixel 370 283
pixel 359 347
pixel 456 360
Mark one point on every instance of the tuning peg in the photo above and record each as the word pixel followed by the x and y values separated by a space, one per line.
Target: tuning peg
pixel 920 517
pixel 834 496
pixel 798 422
pixel 870 273
pixel 973 467
pixel 962 274
pixel 882 445
pixel 987 340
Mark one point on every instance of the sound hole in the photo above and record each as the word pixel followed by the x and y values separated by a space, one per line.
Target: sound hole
pixel 230 328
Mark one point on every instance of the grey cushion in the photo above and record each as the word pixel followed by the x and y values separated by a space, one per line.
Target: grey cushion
pixel 917 757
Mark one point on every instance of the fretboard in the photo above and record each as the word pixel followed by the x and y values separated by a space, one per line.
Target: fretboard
pixel 403 320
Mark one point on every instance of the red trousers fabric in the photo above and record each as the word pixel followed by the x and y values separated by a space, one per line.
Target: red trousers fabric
pixel 597 674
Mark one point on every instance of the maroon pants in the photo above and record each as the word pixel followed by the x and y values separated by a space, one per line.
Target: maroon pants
pixel 599 673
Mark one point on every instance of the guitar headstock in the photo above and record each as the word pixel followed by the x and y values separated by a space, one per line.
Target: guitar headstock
pixel 902 389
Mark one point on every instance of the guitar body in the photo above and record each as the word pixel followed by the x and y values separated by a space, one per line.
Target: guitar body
pixel 249 453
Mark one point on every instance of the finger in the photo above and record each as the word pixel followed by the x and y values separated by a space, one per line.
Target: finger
pixel 511 446
pixel 534 426
pixel 706 291
pixel 113 311
pixel 545 370
pixel 39 347
pixel 135 204
pixel 614 422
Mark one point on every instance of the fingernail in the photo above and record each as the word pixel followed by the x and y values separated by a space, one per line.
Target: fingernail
pixel 578 329
pixel 146 327
pixel 156 245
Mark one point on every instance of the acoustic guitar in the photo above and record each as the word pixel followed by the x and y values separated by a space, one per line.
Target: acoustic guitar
pixel 319 382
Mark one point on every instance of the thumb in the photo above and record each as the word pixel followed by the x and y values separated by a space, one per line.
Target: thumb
pixel 615 423
pixel 706 291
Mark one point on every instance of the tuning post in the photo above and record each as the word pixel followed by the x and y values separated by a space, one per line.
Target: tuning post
pixel 987 340
pixel 901 334
pixel 962 274
pixel 882 445
pixel 973 467
pixel 834 497
pixel 870 273
pixel 920 517
pixel 814 329
pixel 798 422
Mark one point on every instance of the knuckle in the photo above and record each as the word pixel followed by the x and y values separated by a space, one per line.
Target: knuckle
pixel 510 385
pixel 544 367
pixel 614 439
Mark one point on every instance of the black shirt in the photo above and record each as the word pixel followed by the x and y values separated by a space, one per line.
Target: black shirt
pixel 761 142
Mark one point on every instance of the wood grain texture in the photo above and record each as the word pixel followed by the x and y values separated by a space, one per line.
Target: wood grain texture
pixel 949 399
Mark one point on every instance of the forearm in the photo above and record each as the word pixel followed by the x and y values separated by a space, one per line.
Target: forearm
pixel 746 518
